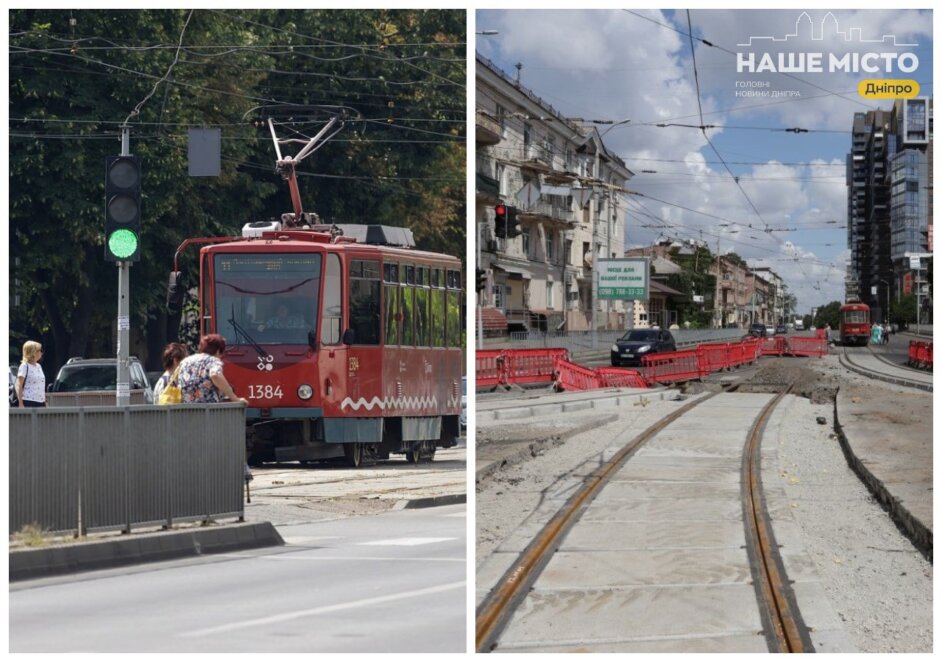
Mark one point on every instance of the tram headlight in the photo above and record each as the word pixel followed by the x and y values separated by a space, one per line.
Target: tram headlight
pixel 305 391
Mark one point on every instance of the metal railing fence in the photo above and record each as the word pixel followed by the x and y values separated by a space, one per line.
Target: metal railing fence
pixel 81 469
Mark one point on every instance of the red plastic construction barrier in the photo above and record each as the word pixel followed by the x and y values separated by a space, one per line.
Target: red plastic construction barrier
pixel 920 354
pixel 679 366
pixel 774 346
pixel 821 333
pixel 488 367
pixel 737 354
pixel 750 350
pixel 573 377
pixel 528 366
pixel 713 357
pixel 802 346
pixel 612 377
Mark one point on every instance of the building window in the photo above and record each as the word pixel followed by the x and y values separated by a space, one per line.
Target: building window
pixel 502 120
pixel 550 253
pixel 549 295
pixel 525 238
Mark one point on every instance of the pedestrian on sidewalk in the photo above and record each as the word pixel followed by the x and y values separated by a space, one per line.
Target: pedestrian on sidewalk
pixel 173 354
pixel 30 379
pixel 201 379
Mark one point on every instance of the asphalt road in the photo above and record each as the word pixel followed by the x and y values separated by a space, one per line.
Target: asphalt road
pixel 388 583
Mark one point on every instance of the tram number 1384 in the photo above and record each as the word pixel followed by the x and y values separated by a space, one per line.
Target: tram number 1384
pixel 264 391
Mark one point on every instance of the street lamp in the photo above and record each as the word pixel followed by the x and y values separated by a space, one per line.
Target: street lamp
pixel 488 32
pixel 886 315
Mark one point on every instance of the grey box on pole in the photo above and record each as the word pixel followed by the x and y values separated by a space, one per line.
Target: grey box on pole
pixel 204 152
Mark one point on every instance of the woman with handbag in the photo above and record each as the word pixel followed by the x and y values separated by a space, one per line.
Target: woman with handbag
pixel 30 379
pixel 173 354
pixel 200 377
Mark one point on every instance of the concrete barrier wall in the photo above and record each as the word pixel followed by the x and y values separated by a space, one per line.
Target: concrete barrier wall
pixel 79 469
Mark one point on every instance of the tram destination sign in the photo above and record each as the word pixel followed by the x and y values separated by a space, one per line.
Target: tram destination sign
pixel 623 278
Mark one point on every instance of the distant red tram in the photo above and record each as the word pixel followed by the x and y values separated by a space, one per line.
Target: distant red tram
pixel 344 346
pixel 855 324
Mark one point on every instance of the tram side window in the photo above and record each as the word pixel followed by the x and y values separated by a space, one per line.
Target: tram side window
pixel 364 302
pixel 453 314
pixel 438 308
pixel 333 296
pixel 421 307
pixel 391 302
pixel 408 305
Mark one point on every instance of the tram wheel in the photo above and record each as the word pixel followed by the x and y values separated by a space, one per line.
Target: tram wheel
pixel 354 454
pixel 415 455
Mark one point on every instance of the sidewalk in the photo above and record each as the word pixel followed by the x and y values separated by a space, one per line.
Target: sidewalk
pixel 887 439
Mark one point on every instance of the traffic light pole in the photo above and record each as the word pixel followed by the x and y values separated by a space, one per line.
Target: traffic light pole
pixel 123 390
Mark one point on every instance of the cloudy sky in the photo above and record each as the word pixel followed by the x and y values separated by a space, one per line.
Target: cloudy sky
pixel 788 210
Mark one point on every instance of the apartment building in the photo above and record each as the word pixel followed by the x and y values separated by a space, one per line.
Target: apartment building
pixel 562 192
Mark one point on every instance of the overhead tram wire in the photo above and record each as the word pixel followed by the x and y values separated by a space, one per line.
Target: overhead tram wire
pixel 297 34
pixel 696 78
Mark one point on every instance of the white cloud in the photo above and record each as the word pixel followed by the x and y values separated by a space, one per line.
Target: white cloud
pixel 612 65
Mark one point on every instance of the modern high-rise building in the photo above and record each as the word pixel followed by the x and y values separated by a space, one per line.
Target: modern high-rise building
pixel 889 202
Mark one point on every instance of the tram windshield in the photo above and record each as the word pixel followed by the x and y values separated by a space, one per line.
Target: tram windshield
pixel 856 317
pixel 272 297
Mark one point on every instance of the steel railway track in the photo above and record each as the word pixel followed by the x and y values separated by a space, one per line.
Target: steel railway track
pixel 904 376
pixel 783 627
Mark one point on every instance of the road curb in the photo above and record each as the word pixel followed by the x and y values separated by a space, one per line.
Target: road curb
pixel 144 548
pixel 432 502
pixel 914 529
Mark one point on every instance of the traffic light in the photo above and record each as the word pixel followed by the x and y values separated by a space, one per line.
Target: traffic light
pixel 481 282
pixel 500 221
pixel 122 208
pixel 513 225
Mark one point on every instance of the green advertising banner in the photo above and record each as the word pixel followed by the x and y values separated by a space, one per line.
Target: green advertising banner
pixel 623 278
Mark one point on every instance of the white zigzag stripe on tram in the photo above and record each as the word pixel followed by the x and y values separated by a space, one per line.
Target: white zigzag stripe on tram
pixel 390 403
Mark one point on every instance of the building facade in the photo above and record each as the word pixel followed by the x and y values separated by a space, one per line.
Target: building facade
pixel 889 203
pixel 563 192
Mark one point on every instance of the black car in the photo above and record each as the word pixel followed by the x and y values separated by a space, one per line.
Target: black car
pixel 638 343
pixel 758 330
pixel 80 374
pixel 780 329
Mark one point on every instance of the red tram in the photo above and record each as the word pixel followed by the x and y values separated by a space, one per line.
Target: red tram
pixel 343 345
pixel 855 324
pixel 345 339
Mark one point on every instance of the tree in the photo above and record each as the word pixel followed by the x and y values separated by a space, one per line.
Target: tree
pixel 903 312
pixel 828 314
pixel 694 279
pixel 71 86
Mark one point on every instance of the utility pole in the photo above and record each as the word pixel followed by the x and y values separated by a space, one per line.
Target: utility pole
pixel 719 273
pixel 123 385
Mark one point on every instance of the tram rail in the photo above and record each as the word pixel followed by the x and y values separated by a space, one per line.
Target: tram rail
pixel 783 627
pixel 905 376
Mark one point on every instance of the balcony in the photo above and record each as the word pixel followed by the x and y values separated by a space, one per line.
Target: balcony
pixel 487 129
pixel 551 210
pixel 486 187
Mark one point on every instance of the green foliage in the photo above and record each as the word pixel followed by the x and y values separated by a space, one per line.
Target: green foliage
pixel 903 312
pixel 829 314
pixel 70 88
pixel 694 279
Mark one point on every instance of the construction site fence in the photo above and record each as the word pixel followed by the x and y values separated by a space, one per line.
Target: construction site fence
pixel 920 354
pixel 533 366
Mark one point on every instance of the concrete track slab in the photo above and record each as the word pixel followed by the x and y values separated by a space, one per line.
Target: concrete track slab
pixel 587 615
pixel 663 510
pixel 654 535
pixel 748 643
pixel 645 567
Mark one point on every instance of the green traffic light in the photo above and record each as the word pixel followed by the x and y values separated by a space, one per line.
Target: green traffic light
pixel 122 244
